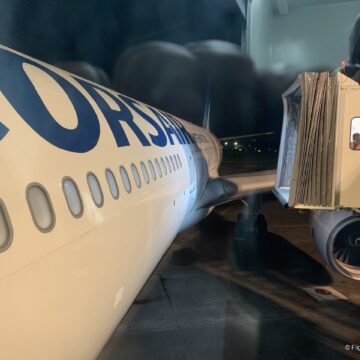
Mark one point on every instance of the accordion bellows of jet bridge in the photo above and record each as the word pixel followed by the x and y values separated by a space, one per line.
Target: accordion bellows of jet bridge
pixel 318 161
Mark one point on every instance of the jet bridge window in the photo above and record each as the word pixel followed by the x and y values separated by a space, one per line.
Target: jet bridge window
pixel 145 172
pixel 152 169
pixel 125 179
pixel 113 186
pixel 163 166
pixel 72 196
pixel 5 228
pixel 355 134
pixel 95 189
pixel 136 175
pixel 40 207
pixel 158 167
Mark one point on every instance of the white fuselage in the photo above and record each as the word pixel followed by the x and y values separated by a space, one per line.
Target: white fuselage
pixel 63 289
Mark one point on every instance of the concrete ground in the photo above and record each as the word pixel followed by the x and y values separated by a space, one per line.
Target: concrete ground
pixel 220 294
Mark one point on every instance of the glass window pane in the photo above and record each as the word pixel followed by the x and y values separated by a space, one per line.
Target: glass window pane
pixel 40 208
pixel 113 186
pixel 125 179
pixel 145 172
pixel 158 167
pixel 152 169
pixel 355 134
pixel 95 189
pixel 5 229
pixel 172 162
pixel 168 164
pixel 136 175
pixel 176 162
pixel 72 197
pixel 163 166
pixel 179 160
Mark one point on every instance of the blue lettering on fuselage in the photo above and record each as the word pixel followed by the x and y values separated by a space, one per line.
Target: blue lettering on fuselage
pixel 181 129
pixel 160 138
pixel 18 89
pixel 114 117
pixel 3 131
pixel 169 129
pixel 22 95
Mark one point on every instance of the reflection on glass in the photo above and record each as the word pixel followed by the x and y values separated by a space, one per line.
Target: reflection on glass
pixel 72 197
pixel 5 234
pixel 125 179
pixel 40 208
pixel 110 177
pixel 95 189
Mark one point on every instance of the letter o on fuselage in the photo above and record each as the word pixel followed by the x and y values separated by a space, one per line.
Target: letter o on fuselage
pixel 23 96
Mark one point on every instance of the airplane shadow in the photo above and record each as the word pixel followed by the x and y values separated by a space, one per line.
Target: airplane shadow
pixel 265 315
pixel 248 246
pixel 260 250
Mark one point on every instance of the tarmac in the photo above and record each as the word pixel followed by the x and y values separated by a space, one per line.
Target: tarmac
pixel 238 286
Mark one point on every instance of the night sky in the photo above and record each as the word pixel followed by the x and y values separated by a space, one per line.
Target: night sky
pixel 99 32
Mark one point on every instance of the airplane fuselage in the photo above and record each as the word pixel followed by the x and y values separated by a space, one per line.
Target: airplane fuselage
pixel 94 187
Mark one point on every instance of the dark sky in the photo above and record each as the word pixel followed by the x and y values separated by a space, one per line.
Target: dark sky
pixel 98 31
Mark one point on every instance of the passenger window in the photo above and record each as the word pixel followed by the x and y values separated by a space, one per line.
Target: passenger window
pixel 163 166
pixel 158 167
pixel 95 189
pixel 172 163
pixel 176 162
pixel 113 186
pixel 168 164
pixel 72 197
pixel 179 160
pixel 5 228
pixel 145 172
pixel 40 208
pixel 125 179
pixel 152 169
pixel 136 175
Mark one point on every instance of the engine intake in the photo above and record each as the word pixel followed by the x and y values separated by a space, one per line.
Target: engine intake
pixel 337 236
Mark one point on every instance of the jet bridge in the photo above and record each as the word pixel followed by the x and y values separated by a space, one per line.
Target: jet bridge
pixel 319 163
pixel 319 157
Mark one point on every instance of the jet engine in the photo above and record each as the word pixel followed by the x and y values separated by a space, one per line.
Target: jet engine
pixel 337 236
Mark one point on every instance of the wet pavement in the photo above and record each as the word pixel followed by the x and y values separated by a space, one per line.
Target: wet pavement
pixel 232 288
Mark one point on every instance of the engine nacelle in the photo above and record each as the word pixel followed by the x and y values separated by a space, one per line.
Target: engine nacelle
pixel 337 236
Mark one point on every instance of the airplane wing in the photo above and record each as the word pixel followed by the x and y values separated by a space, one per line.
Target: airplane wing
pixel 228 188
pixel 233 187
pixel 251 183
pixel 245 136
